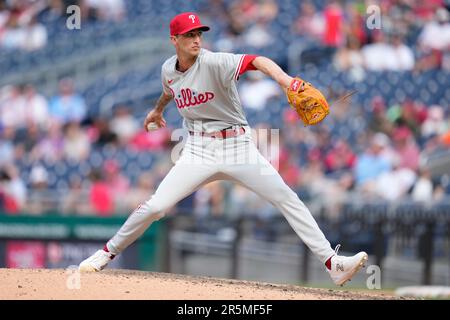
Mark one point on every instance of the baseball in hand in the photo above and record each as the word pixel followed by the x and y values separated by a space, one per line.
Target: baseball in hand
pixel 152 126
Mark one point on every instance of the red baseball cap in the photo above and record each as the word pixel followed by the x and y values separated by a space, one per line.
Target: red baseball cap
pixel 185 22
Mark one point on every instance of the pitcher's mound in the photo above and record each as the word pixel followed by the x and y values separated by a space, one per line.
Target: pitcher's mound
pixel 129 284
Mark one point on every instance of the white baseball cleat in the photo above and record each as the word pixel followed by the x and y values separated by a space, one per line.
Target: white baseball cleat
pixel 98 261
pixel 343 268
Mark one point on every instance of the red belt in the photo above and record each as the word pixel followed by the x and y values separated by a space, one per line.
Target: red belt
pixel 224 134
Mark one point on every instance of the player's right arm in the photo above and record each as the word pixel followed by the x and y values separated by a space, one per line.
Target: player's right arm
pixel 156 115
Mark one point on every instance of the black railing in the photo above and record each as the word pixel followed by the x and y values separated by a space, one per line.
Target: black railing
pixel 409 230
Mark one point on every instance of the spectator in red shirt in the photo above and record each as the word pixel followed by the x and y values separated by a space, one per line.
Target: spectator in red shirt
pixel 339 158
pixel 333 35
pixel 288 169
pixel 12 190
pixel 117 182
pixel 100 195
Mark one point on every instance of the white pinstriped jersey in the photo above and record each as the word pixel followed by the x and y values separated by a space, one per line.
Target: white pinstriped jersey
pixel 207 91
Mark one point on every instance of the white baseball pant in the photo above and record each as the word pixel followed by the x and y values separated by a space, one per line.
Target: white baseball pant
pixel 237 159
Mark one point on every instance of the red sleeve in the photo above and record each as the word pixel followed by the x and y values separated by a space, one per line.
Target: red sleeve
pixel 245 64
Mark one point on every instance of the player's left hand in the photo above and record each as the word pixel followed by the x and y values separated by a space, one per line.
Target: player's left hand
pixel 309 102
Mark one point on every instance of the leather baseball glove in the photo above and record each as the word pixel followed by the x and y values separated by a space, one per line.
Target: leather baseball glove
pixel 307 101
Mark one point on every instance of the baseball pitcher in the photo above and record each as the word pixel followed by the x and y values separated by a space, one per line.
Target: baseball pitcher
pixel 203 85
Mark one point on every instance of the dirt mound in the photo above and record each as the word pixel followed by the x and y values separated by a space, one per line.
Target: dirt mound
pixel 128 284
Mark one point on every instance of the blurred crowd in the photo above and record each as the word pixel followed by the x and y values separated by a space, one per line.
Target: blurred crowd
pixel 55 129
pixel 19 26
pixel 394 35
pixel 21 29
pixel 385 163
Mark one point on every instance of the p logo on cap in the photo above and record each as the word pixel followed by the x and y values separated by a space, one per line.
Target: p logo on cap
pixel 186 22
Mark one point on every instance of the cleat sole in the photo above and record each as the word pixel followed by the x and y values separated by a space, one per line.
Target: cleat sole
pixel 355 270
pixel 87 268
